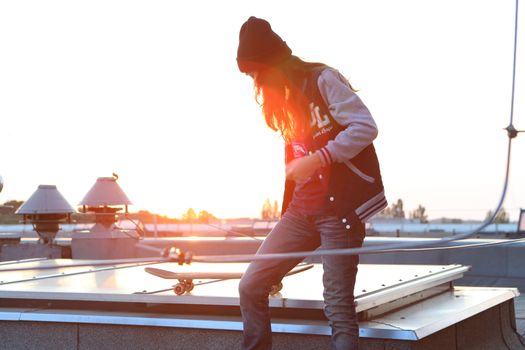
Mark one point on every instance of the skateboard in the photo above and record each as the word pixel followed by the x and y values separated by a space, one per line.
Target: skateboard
pixel 186 278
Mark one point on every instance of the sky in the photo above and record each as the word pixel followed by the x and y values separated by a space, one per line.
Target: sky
pixel 150 90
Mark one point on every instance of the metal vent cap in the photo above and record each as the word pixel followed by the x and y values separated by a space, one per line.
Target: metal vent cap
pixel 105 192
pixel 46 200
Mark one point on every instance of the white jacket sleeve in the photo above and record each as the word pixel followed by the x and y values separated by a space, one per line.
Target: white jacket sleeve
pixel 350 112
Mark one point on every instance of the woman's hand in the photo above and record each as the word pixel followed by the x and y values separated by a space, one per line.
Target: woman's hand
pixel 301 169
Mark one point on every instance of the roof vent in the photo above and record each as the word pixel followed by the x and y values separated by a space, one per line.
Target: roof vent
pixel 105 192
pixel 102 198
pixel 46 209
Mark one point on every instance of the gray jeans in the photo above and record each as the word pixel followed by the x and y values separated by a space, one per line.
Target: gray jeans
pixel 296 232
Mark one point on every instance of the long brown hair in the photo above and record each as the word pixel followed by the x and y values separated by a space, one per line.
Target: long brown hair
pixel 279 91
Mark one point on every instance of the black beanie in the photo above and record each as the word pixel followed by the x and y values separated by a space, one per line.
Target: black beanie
pixel 259 46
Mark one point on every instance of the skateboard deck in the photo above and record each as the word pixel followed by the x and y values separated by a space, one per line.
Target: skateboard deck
pixel 186 278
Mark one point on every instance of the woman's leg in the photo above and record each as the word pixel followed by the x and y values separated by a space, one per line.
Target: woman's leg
pixel 339 280
pixel 293 233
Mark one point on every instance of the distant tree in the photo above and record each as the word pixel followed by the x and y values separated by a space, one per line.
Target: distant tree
pixel 451 221
pixel 266 212
pixel 276 212
pixel 143 216
pixel 205 217
pixel 502 217
pixel 419 213
pixel 387 212
pixel 148 218
pixel 189 216
pixel 10 207
pixel 7 212
pixel 397 209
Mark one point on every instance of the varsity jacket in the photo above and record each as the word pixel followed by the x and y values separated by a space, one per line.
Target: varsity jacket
pixel 342 133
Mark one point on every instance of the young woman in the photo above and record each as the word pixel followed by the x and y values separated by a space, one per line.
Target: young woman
pixel 333 182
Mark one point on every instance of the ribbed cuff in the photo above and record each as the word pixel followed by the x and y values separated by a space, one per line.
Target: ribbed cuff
pixel 326 158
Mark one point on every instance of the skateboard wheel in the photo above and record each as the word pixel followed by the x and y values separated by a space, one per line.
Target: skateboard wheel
pixel 276 288
pixel 179 289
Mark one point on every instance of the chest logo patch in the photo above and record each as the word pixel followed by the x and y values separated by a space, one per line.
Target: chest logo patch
pixel 316 117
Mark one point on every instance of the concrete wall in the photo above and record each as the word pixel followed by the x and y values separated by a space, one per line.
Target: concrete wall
pixel 9 252
pixel 491 329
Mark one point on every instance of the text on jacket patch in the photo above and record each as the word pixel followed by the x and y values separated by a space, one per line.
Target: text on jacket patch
pixel 323 122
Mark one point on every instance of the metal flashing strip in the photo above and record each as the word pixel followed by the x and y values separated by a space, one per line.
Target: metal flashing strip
pixel 434 314
pixel 11 262
pixel 142 320
pixel 409 287
pixel 11 315
pixel 127 298
pixel 186 321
